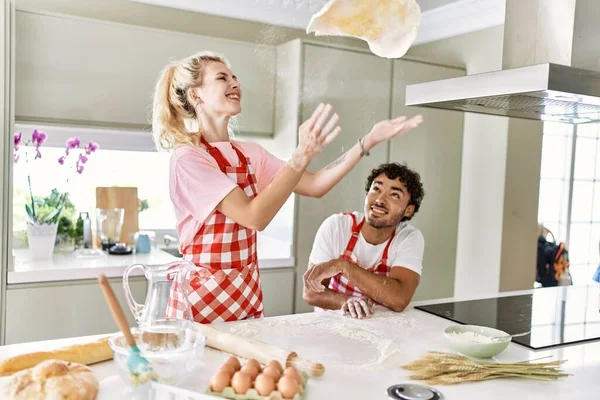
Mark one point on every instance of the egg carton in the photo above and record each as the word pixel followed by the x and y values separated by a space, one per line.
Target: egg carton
pixel 252 394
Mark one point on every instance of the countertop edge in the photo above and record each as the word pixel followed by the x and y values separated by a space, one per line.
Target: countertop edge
pixel 74 274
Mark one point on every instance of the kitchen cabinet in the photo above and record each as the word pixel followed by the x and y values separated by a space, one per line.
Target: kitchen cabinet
pixel 357 85
pixel 44 311
pixel 435 152
pixel 92 72
pixel 278 288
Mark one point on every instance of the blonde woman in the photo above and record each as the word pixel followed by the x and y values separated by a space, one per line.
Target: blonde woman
pixel 224 191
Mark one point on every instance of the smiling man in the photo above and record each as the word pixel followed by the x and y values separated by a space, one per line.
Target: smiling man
pixel 375 257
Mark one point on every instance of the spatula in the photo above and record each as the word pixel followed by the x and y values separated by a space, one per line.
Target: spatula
pixel 139 367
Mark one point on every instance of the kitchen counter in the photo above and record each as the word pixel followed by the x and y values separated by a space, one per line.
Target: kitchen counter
pixel 362 357
pixel 67 266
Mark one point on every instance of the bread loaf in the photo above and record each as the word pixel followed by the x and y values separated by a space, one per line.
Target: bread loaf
pixel 51 379
pixel 85 353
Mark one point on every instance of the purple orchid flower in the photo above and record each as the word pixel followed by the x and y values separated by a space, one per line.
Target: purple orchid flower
pixel 37 153
pixel 79 168
pixel 17 139
pixel 38 137
pixel 92 147
pixel 61 160
pixel 82 159
pixel 72 143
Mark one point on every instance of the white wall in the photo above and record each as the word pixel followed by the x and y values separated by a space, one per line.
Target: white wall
pixel 497 204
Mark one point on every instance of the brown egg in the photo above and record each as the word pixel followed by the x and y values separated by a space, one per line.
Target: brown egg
pixel 275 363
pixel 252 361
pixel 293 372
pixel 241 382
pixel 228 368
pixel 272 371
pixel 288 387
pixel 220 381
pixel 234 362
pixel 250 370
pixel 264 384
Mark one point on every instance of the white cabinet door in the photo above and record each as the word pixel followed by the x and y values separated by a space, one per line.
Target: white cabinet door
pixel 95 72
pixel 64 310
pixel 278 291
pixel 434 150
pixel 357 84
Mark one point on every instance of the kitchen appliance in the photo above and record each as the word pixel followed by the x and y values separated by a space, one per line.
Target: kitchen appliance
pixel 108 225
pixel 412 391
pixel 555 315
pixel 127 199
pixel 550 67
pixel 120 249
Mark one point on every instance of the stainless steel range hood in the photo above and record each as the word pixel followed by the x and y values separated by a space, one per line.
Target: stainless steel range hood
pixel 551 67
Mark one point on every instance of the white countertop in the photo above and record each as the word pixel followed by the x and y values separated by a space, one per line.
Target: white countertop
pixel 67 266
pixel 362 357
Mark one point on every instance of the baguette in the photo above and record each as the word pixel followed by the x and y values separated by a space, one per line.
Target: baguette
pixel 85 353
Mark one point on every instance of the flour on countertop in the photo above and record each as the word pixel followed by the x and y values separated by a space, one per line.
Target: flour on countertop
pixel 473 337
pixel 375 342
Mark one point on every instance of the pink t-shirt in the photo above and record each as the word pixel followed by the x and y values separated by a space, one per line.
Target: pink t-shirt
pixel 197 184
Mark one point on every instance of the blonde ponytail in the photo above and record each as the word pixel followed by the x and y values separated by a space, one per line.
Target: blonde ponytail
pixel 172 113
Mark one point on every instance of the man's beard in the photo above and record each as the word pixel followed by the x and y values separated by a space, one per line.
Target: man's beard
pixel 384 223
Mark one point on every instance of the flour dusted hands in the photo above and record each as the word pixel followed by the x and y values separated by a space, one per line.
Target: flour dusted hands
pixel 391 128
pixel 314 135
pixel 358 307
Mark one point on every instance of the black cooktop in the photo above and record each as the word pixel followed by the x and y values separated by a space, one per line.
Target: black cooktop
pixel 555 316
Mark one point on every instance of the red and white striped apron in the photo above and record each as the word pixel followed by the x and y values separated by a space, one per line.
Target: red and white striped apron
pixel 340 283
pixel 226 284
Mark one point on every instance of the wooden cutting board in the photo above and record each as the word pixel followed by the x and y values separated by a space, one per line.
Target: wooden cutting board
pixel 121 197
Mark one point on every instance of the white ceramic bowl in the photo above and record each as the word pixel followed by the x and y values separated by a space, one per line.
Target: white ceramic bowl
pixel 173 348
pixel 476 349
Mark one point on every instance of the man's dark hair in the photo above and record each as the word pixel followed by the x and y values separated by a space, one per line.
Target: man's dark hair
pixel 408 177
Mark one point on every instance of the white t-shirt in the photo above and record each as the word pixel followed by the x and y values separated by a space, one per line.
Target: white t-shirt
pixel 406 249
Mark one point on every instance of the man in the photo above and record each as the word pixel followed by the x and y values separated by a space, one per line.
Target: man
pixel 358 259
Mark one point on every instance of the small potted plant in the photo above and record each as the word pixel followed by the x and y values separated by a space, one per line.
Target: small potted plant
pixel 43 213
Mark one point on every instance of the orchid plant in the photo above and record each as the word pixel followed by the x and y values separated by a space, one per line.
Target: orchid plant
pixel 57 200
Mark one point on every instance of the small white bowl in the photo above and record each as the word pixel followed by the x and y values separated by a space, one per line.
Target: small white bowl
pixel 473 348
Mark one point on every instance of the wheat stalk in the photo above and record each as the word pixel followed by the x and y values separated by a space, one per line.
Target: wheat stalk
pixel 444 368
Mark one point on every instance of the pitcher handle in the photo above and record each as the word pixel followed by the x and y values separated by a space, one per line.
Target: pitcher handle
pixel 135 307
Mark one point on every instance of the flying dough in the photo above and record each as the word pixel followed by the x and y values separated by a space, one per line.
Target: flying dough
pixel 388 26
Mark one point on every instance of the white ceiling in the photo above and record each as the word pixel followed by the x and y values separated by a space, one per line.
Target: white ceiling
pixel 441 18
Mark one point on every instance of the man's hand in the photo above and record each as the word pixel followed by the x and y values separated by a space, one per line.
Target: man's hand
pixel 314 277
pixel 358 307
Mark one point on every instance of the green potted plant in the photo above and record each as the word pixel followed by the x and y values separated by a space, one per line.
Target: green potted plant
pixel 44 213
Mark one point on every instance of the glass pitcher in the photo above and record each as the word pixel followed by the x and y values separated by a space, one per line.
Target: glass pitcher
pixel 160 279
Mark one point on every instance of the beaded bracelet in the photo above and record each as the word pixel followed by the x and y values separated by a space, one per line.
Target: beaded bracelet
pixel 362 147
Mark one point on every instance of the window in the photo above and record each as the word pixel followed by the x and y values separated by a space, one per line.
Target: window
pixel 125 158
pixel 569 200
pixel 145 170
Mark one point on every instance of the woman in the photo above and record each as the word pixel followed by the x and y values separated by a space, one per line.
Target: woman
pixel 225 191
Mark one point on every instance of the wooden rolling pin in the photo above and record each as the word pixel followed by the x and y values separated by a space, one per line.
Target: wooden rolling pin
pixel 260 351
pixel 84 353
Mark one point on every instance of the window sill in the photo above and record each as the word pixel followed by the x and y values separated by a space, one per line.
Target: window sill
pixel 66 267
